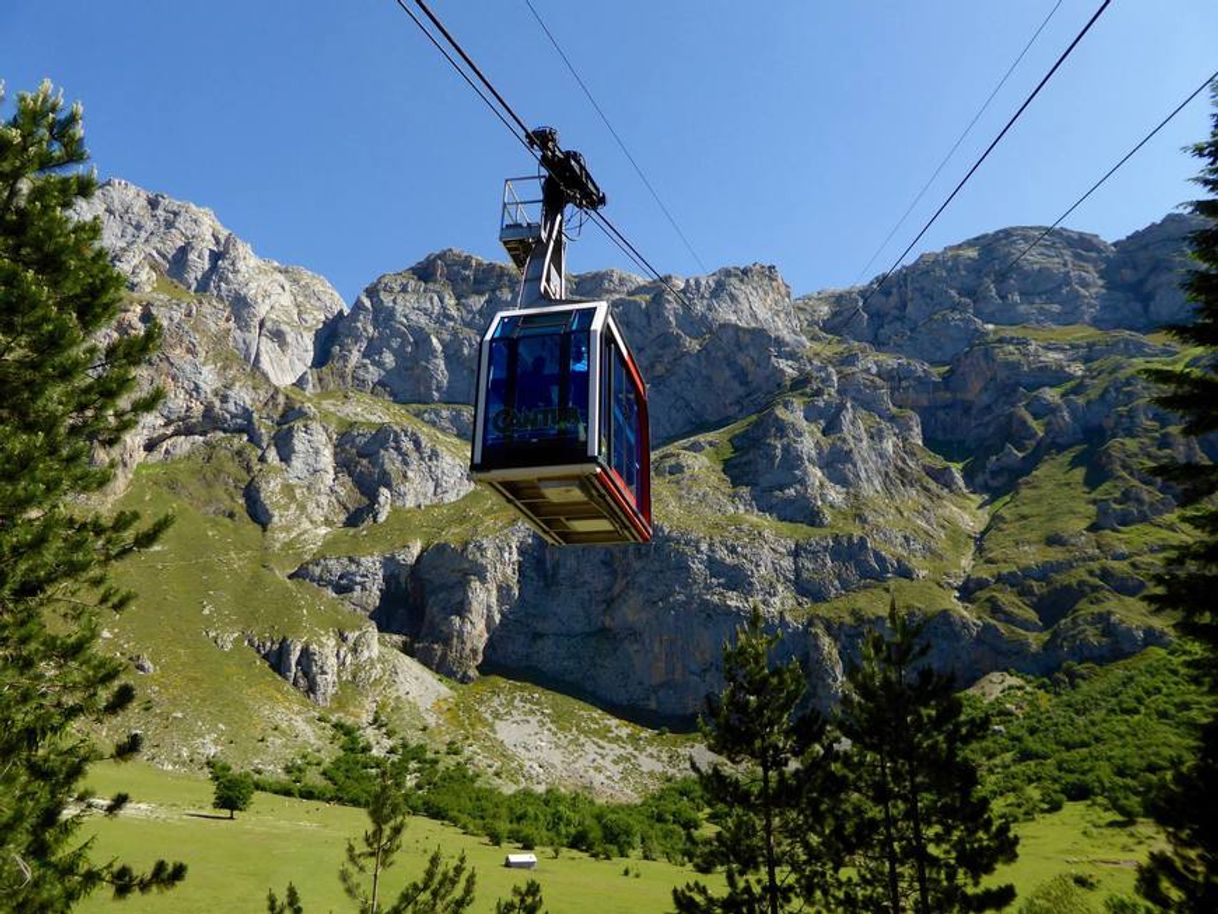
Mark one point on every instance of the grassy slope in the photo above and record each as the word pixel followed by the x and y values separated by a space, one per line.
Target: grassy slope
pixel 557 739
pixel 215 576
pixel 1079 839
pixel 212 577
pixel 232 864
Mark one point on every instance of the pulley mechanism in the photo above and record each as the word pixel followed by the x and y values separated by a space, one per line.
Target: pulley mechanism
pixel 532 229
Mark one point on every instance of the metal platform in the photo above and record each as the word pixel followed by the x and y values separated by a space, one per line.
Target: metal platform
pixel 520 220
pixel 568 505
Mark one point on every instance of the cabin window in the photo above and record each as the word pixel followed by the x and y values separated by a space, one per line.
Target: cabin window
pixel 537 384
pixel 624 446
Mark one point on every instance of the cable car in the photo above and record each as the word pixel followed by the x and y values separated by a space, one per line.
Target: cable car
pixel 560 416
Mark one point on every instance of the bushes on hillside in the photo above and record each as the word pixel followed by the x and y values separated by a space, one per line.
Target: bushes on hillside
pixel 1105 734
pixel 445 788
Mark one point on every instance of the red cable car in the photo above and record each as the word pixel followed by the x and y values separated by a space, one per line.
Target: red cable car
pixel 560 421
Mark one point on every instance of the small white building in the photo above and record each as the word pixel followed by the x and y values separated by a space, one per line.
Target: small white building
pixel 520 861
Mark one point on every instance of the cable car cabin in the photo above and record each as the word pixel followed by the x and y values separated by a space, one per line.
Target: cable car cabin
pixel 560 427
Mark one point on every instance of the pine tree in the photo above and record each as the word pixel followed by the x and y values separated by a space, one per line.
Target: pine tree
pixel 524 900
pixel 289 905
pixel 1184 879
pixel 64 399
pixel 920 834
pixel 442 889
pixel 387 811
pixel 762 802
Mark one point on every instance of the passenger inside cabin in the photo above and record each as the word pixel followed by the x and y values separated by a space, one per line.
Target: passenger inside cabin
pixel 533 386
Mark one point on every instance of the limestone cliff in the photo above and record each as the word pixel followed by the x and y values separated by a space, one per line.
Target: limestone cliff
pixel 974 438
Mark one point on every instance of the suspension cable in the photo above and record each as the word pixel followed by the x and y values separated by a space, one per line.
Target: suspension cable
pixel 620 142
pixel 1002 133
pixel 1108 174
pixel 960 139
pixel 505 111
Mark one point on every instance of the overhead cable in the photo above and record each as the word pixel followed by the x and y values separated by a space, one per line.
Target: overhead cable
pixel 503 112
pixel 960 139
pixel 470 63
pixel 1002 133
pixel 620 142
pixel 439 47
pixel 1111 171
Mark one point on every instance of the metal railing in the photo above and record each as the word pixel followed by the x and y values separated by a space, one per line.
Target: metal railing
pixel 519 215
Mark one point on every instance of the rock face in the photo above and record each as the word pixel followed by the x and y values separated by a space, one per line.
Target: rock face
pixel 816 451
pixel 318 667
pixel 938 306
pixel 274 311
pixel 413 336
pixel 641 629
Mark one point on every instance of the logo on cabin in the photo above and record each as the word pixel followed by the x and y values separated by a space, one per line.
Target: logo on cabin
pixel 549 418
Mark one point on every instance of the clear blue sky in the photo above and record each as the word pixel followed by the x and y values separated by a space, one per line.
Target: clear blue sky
pixel 331 135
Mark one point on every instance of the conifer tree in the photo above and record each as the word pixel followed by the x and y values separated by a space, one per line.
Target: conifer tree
pixel 761 802
pixel 920 834
pixel 64 399
pixel 1184 879
pixel 289 905
pixel 524 899
pixel 443 888
pixel 388 813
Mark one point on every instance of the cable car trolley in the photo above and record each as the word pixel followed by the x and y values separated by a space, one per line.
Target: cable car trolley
pixel 560 421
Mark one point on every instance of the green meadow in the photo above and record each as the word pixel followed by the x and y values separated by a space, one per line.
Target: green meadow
pixel 234 863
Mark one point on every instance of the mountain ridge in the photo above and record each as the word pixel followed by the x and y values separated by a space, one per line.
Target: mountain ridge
pixel 806 470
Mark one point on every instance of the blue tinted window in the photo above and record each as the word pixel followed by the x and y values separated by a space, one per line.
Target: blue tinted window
pixel 493 431
pixel 577 399
pixel 537 389
pixel 625 432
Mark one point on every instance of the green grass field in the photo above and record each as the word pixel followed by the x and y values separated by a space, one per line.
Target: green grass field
pixel 234 863
pixel 1079 839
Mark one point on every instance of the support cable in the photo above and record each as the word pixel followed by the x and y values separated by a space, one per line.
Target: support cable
pixel 465 76
pixel 610 231
pixel 960 139
pixel 473 66
pixel 1002 133
pixel 1111 171
pixel 620 142
pixel 1003 272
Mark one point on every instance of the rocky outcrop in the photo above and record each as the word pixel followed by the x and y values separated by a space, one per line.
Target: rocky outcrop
pixel 399 467
pixel 313 477
pixel 412 336
pixel 641 629
pixel 1143 277
pixel 840 441
pixel 1010 400
pixel 938 306
pixel 623 626
pixel 273 311
pixel 318 666
pixel 376 585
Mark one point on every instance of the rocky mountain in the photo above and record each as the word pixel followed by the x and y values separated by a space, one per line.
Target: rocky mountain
pixel 972 439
